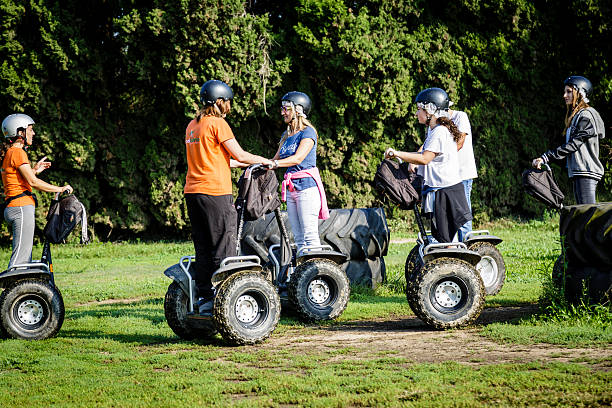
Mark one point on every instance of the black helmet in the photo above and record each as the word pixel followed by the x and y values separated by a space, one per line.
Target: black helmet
pixel 436 96
pixel 298 98
pixel 579 82
pixel 213 90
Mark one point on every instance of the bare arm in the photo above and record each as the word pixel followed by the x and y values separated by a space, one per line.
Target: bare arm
pixel 236 163
pixel 299 156
pixel 415 158
pixel 27 173
pixel 240 155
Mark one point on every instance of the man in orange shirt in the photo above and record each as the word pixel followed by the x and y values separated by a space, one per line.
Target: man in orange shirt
pixel 18 178
pixel 210 144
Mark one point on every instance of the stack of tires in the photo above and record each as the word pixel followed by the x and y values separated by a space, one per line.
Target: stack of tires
pixel 585 267
pixel 362 234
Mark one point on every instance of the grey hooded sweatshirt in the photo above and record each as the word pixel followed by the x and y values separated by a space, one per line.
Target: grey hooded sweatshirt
pixel 582 146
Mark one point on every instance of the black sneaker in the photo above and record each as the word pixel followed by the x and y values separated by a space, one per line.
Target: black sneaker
pixel 205 308
pixel 202 309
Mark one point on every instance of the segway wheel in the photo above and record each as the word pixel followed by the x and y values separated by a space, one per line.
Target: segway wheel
pixel 558 273
pixel 31 309
pixel 413 264
pixel 319 290
pixel 247 308
pixel 176 306
pixel 449 293
pixel 491 267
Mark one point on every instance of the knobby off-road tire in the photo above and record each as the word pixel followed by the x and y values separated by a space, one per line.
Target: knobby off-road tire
pixel 361 234
pixel 491 267
pixel 558 274
pixel 582 282
pixel 588 234
pixel 448 293
pixel 411 268
pixel 31 309
pixel 369 273
pixel 318 290
pixel 247 308
pixel 176 305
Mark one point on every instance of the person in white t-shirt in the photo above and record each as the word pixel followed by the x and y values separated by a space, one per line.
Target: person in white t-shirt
pixel 443 191
pixel 467 163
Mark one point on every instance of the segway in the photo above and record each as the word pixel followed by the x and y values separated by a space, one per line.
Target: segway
pixel 443 287
pixel 309 280
pixel 247 304
pixel 31 305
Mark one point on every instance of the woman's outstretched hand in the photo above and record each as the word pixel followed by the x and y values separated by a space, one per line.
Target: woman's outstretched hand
pixel 42 164
pixel 389 153
pixel 67 188
pixel 537 163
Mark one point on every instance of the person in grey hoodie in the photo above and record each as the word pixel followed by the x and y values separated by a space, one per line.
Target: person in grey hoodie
pixel 583 129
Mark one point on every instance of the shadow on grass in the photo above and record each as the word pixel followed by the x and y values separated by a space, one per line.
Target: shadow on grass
pixel 136 309
pixel 137 338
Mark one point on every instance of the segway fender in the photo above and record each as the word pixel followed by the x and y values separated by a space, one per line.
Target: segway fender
pixel 469 256
pixel 11 275
pixel 178 275
pixel 226 271
pixel 481 236
pixel 334 256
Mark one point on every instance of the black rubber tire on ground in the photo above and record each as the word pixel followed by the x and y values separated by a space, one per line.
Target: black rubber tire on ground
pixel 588 234
pixel 361 234
pixel 558 274
pixel 491 267
pixel 412 265
pixel 411 268
pixel 31 309
pixel 247 308
pixel 448 293
pixel 581 283
pixel 319 290
pixel 175 308
pixel 369 273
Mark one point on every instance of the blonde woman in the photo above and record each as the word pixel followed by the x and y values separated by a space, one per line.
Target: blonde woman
pixel 297 151
pixel 583 129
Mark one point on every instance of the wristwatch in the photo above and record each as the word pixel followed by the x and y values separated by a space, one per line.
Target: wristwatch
pixel 275 164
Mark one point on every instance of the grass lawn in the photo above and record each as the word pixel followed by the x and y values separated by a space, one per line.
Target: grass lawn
pixel 116 350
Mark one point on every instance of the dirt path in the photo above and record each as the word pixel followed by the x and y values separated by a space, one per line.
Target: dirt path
pixel 408 337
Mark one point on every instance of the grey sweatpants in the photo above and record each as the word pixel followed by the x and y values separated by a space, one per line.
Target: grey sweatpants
pixel 22 221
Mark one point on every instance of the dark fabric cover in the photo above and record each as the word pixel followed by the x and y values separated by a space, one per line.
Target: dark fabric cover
pixel 402 186
pixel 257 195
pixel 451 211
pixel 64 214
pixel 542 185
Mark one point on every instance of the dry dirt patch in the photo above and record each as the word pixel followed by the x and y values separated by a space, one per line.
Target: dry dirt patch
pixel 408 337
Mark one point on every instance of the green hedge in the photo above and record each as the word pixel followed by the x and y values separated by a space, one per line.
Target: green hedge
pixel 113 84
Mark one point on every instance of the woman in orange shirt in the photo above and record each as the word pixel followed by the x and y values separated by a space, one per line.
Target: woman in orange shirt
pixel 18 178
pixel 209 143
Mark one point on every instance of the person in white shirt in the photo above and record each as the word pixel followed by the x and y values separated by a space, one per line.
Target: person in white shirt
pixel 443 191
pixel 467 163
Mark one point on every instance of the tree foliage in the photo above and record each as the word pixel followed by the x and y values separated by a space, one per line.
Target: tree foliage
pixel 113 83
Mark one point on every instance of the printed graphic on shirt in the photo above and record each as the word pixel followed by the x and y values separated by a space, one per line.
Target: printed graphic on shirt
pixel 192 138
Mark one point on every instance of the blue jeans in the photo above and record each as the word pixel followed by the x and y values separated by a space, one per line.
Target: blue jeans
pixel 584 190
pixel 303 209
pixel 467 227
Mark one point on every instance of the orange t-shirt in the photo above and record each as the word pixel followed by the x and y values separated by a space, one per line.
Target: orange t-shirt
pixel 208 169
pixel 14 183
